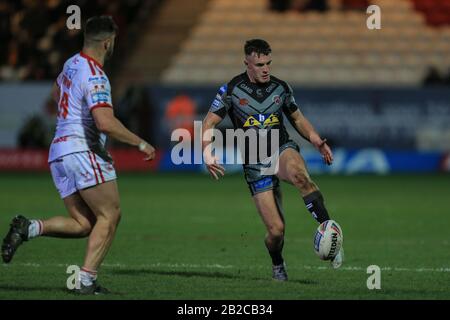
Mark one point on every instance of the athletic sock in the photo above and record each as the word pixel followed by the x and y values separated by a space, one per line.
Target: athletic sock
pixel 315 204
pixel 35 229
pixel 276 256
pixel 87 277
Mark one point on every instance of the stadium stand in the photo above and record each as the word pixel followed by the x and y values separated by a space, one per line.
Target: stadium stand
pixel 332 48
pixel 36 42
pixel 437 12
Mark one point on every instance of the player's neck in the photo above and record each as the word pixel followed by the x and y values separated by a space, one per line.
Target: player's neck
pixel 252 80
pixel 94 54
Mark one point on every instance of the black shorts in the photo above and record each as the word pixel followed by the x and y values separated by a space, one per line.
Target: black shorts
pixel 257 181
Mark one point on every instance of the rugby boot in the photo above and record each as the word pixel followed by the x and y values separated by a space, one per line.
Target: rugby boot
pixel 93 289
pixel 279 272
pixel 18 233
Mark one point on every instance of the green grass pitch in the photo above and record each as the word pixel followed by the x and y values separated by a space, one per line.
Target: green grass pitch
pixel 185 236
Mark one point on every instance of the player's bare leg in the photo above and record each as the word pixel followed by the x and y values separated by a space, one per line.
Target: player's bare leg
pixel 270 212
pixel 103 199
pixel 78 225
pixel 292 169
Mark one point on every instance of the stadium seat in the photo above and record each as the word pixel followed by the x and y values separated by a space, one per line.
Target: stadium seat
pixel 314 42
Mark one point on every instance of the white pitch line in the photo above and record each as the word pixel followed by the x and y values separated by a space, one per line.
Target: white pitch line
pixel 219 266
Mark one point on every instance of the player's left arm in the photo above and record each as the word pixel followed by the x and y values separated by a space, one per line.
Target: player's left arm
pixel 306 129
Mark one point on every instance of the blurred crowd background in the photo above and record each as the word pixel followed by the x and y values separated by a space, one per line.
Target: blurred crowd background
pixel 35 39
pixel 385 89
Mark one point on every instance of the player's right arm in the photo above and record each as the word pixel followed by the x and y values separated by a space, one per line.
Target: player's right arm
pixel 216 113
pixel 107 123
pixel 304 127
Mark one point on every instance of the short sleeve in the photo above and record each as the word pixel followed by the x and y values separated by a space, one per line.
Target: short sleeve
pixel 289 106
pixel 97 92
pixel 220 105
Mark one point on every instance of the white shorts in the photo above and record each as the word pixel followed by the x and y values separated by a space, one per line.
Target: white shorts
pixel 80 170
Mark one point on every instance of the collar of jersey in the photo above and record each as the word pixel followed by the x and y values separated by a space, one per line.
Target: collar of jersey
pixel 84 55
pixel 259 85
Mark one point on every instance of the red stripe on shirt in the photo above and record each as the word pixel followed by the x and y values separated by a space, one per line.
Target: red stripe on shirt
pixel 92 67
pixel 89 58
pixel 101 105
pixel 99 69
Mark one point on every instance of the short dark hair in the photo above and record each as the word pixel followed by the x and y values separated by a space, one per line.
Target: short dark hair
pixel 258 46
pixel 99 28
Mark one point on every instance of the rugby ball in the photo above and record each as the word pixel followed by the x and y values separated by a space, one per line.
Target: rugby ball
pixel 328 240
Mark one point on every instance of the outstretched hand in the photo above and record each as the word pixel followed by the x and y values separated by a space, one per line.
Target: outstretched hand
pixel 324 150
pixel 215 169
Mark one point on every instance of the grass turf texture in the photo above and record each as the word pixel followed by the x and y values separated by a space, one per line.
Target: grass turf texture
pixel 186 236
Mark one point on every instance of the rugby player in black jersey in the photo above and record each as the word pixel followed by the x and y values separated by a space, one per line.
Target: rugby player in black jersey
pixel 256 100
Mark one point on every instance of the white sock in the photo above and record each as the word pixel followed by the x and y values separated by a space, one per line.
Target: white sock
pixel 87 277
pixel 35 229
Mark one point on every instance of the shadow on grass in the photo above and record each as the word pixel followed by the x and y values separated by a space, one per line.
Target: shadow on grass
pixel 203 274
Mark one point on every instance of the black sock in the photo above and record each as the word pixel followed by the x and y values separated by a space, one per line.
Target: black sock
pixel 276 256
pixel 314 203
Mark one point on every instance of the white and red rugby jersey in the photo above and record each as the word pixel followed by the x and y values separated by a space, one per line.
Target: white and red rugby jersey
pixel 84 86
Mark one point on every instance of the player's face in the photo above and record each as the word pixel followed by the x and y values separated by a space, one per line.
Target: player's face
pixel 258 67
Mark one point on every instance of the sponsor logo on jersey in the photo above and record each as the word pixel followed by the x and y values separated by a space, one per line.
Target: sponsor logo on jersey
pixel 99 94
pixel 252 122
pixel 60 139
pixel 259 93
pixel 98 80
pixel 276 99
pixel 262 120
pixel 246 88
pixel 271 87
pixel 243 102
pixel 216 104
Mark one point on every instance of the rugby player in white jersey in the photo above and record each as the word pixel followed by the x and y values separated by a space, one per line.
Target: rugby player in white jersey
pixel 80 165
